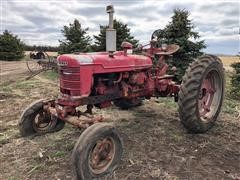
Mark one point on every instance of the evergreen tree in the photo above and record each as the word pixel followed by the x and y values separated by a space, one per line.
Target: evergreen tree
pixel 235 81
pixel 180 31
pixel 76 40
pixel 41 48
pixel 123 34
pixel 11 47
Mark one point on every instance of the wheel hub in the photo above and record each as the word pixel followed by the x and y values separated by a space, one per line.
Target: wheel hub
pixel 43 122
pixel 209 95
pixel 102 155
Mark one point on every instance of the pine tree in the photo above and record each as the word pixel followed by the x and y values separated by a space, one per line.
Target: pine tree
pixel 76 40
pixel 235 81
pixel 11 47
pixel 180 31
pixel 123 34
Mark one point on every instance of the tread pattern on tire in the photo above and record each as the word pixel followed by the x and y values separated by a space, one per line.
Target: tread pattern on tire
pixel 188 93
pixel 81 170
pixel 27 117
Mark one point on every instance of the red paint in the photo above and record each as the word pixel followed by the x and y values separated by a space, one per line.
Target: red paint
pixel 206 95
pixel 99 74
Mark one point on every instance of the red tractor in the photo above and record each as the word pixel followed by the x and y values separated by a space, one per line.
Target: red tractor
pixel 125 79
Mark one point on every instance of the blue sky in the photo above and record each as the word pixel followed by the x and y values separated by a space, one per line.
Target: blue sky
pixel 40 22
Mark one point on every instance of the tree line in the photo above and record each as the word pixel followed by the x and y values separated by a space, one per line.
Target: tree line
pixel 235 81
pixel 41 48
pixel 77 39
pixel 180 30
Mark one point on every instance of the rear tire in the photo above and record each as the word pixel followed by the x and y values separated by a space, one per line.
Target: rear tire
pixel 28 125
pixel 201 94
pixel 97 152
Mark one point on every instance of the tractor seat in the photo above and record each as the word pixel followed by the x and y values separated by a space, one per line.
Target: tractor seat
pixel 172 48
pixel 126 45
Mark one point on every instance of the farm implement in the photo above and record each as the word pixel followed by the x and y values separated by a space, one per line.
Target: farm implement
pixel 40 61
pixel 123 78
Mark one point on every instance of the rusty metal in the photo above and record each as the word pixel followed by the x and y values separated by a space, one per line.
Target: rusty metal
pixel 39 62
pixel 82 122
pixel 70 115
pixel 97 79
pixel 135 77
pixel 209 96
pixel 43 121
pixel 102 155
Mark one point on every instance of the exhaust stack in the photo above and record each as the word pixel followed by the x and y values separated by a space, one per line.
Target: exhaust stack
pixel 110 31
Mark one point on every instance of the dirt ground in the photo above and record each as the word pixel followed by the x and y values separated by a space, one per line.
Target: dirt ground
pixel 156 145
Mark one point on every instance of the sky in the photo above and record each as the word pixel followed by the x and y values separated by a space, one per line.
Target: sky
pixel 39 22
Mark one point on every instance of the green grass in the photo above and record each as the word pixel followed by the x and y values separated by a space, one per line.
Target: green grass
pixel 3 139
pixel 176 136
pixel 12 178
pixel 230 104
pixel 168 102
pixel 5 89
pixel 59 154
pixel 36 167
pixel 19 84
pixel 28 84
pixel 52 75
pixel 6 86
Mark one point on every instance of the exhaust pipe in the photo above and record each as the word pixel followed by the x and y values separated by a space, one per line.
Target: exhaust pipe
pixel 110 32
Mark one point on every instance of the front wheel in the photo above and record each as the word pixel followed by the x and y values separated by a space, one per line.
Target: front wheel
pixel 201 94
pixel 35 121
pixel 97 152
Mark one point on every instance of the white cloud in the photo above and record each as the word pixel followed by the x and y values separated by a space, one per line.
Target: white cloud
pixel 40 22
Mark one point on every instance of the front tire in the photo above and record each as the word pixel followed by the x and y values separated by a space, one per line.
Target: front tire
pixel 35 121
pixel 201 94
pixel 97 152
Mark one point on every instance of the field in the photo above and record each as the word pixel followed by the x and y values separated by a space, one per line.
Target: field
pixel 228 60
pixel 156 145
pixel 48 52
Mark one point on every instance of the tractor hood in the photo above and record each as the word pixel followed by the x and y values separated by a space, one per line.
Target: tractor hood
pixel 102 63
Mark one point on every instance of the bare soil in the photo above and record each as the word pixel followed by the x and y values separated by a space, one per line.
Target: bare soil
pixel 10 70
pixel 156 145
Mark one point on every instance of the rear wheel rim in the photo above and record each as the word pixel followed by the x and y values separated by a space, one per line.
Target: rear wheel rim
pixel 102 155
pixel 210 95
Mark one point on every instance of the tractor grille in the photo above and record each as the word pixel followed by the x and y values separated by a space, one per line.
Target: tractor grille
pixel 71 74
pixel 70 85
pixel 70 80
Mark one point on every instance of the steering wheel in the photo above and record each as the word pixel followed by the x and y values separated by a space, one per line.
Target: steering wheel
pixel 160 37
